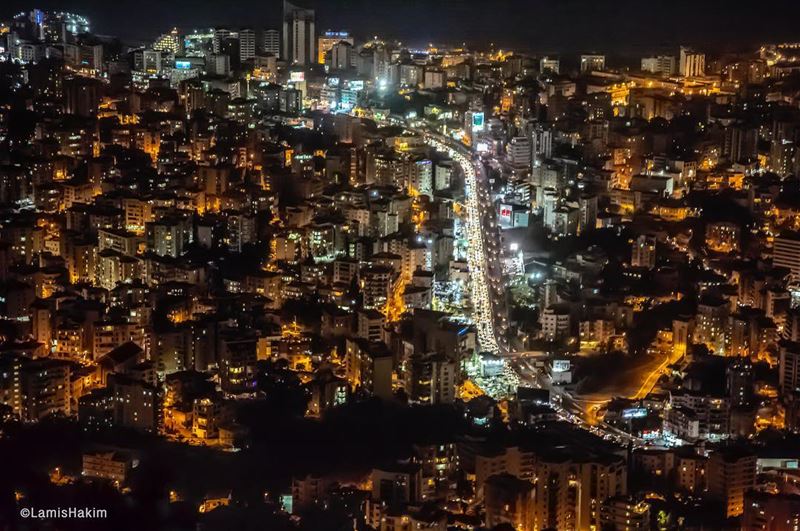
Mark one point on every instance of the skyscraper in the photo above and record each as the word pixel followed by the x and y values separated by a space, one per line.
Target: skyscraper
pixel 247 44
pixel 298 34
pixel 328 40
pixel 272 42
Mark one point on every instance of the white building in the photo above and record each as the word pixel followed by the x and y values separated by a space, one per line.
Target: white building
pixel 692 63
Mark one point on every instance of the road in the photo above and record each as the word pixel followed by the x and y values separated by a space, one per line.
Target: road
pixel 488 297
pixel 488 309
pixel 579 411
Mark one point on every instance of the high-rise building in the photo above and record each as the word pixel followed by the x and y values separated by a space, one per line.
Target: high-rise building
pixel 765 511
pixel 519 152
pixel 272 42
pixel 169 42
pixel 786 252
pixel 341 56
pixel 783 157
pixel 541 143
pixel 298 35
pixel 247 44
pixel 789 367
pixel 731 473
pixel 220 34
pixel 328 40
pixel 149 61
pixel 509 500
pixel 198 43
pixel 691 63
pixel 571 489
pixel 82 96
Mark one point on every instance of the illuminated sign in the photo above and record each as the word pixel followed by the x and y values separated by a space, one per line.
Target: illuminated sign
pixel 333 81
pixel 356 84
pixel 561 365
pixel 183 65
pixel 287 503
pixel 634 413
pixel 297 77
pixel 477 121
pixel 505 214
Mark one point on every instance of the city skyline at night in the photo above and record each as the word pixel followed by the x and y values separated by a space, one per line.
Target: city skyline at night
pixel 400 265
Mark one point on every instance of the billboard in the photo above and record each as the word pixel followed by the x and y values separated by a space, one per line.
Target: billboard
pixel 477 121
pixel 297 77
pixel 505 215
pixel 183 65
pixel 634 413
pixel 561 365
pixel 356 84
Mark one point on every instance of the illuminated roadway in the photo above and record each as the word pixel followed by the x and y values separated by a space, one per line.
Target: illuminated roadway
pixel 487 294
pixel 480 225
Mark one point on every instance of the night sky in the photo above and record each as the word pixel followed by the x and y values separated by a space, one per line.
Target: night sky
pixel 623 26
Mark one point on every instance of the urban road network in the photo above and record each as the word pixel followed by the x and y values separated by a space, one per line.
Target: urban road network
pixel 488 300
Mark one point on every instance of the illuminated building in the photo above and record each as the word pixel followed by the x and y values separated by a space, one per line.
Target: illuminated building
pixel 556 323
pixel 695 415
pixel 661 64
pixel 198 43
pixel 593 62
pixel 691 63
pixel 148 61
pixel 168 43
pixel 786 252
pixel 207 415
pixel 509 500
pixel 432 379
pixel 784 157
pixel 789 368
pixel 220 34
pixel 765 511
pixel 247 44
pixel 328 40
pixel 44 389
pixel 169 236
pixel 327 391
pixel 571 489
pixel 519 152
pixel 434 79
pixel 722 236
pixel 731 473
pixel 549 65
pixel 625 514
pixel 114 465
pixel 237 362
pixel 368 366
pixel 370 324
pixel 643 252
pixel 110 334
pixel 376 283
pixel 10 390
